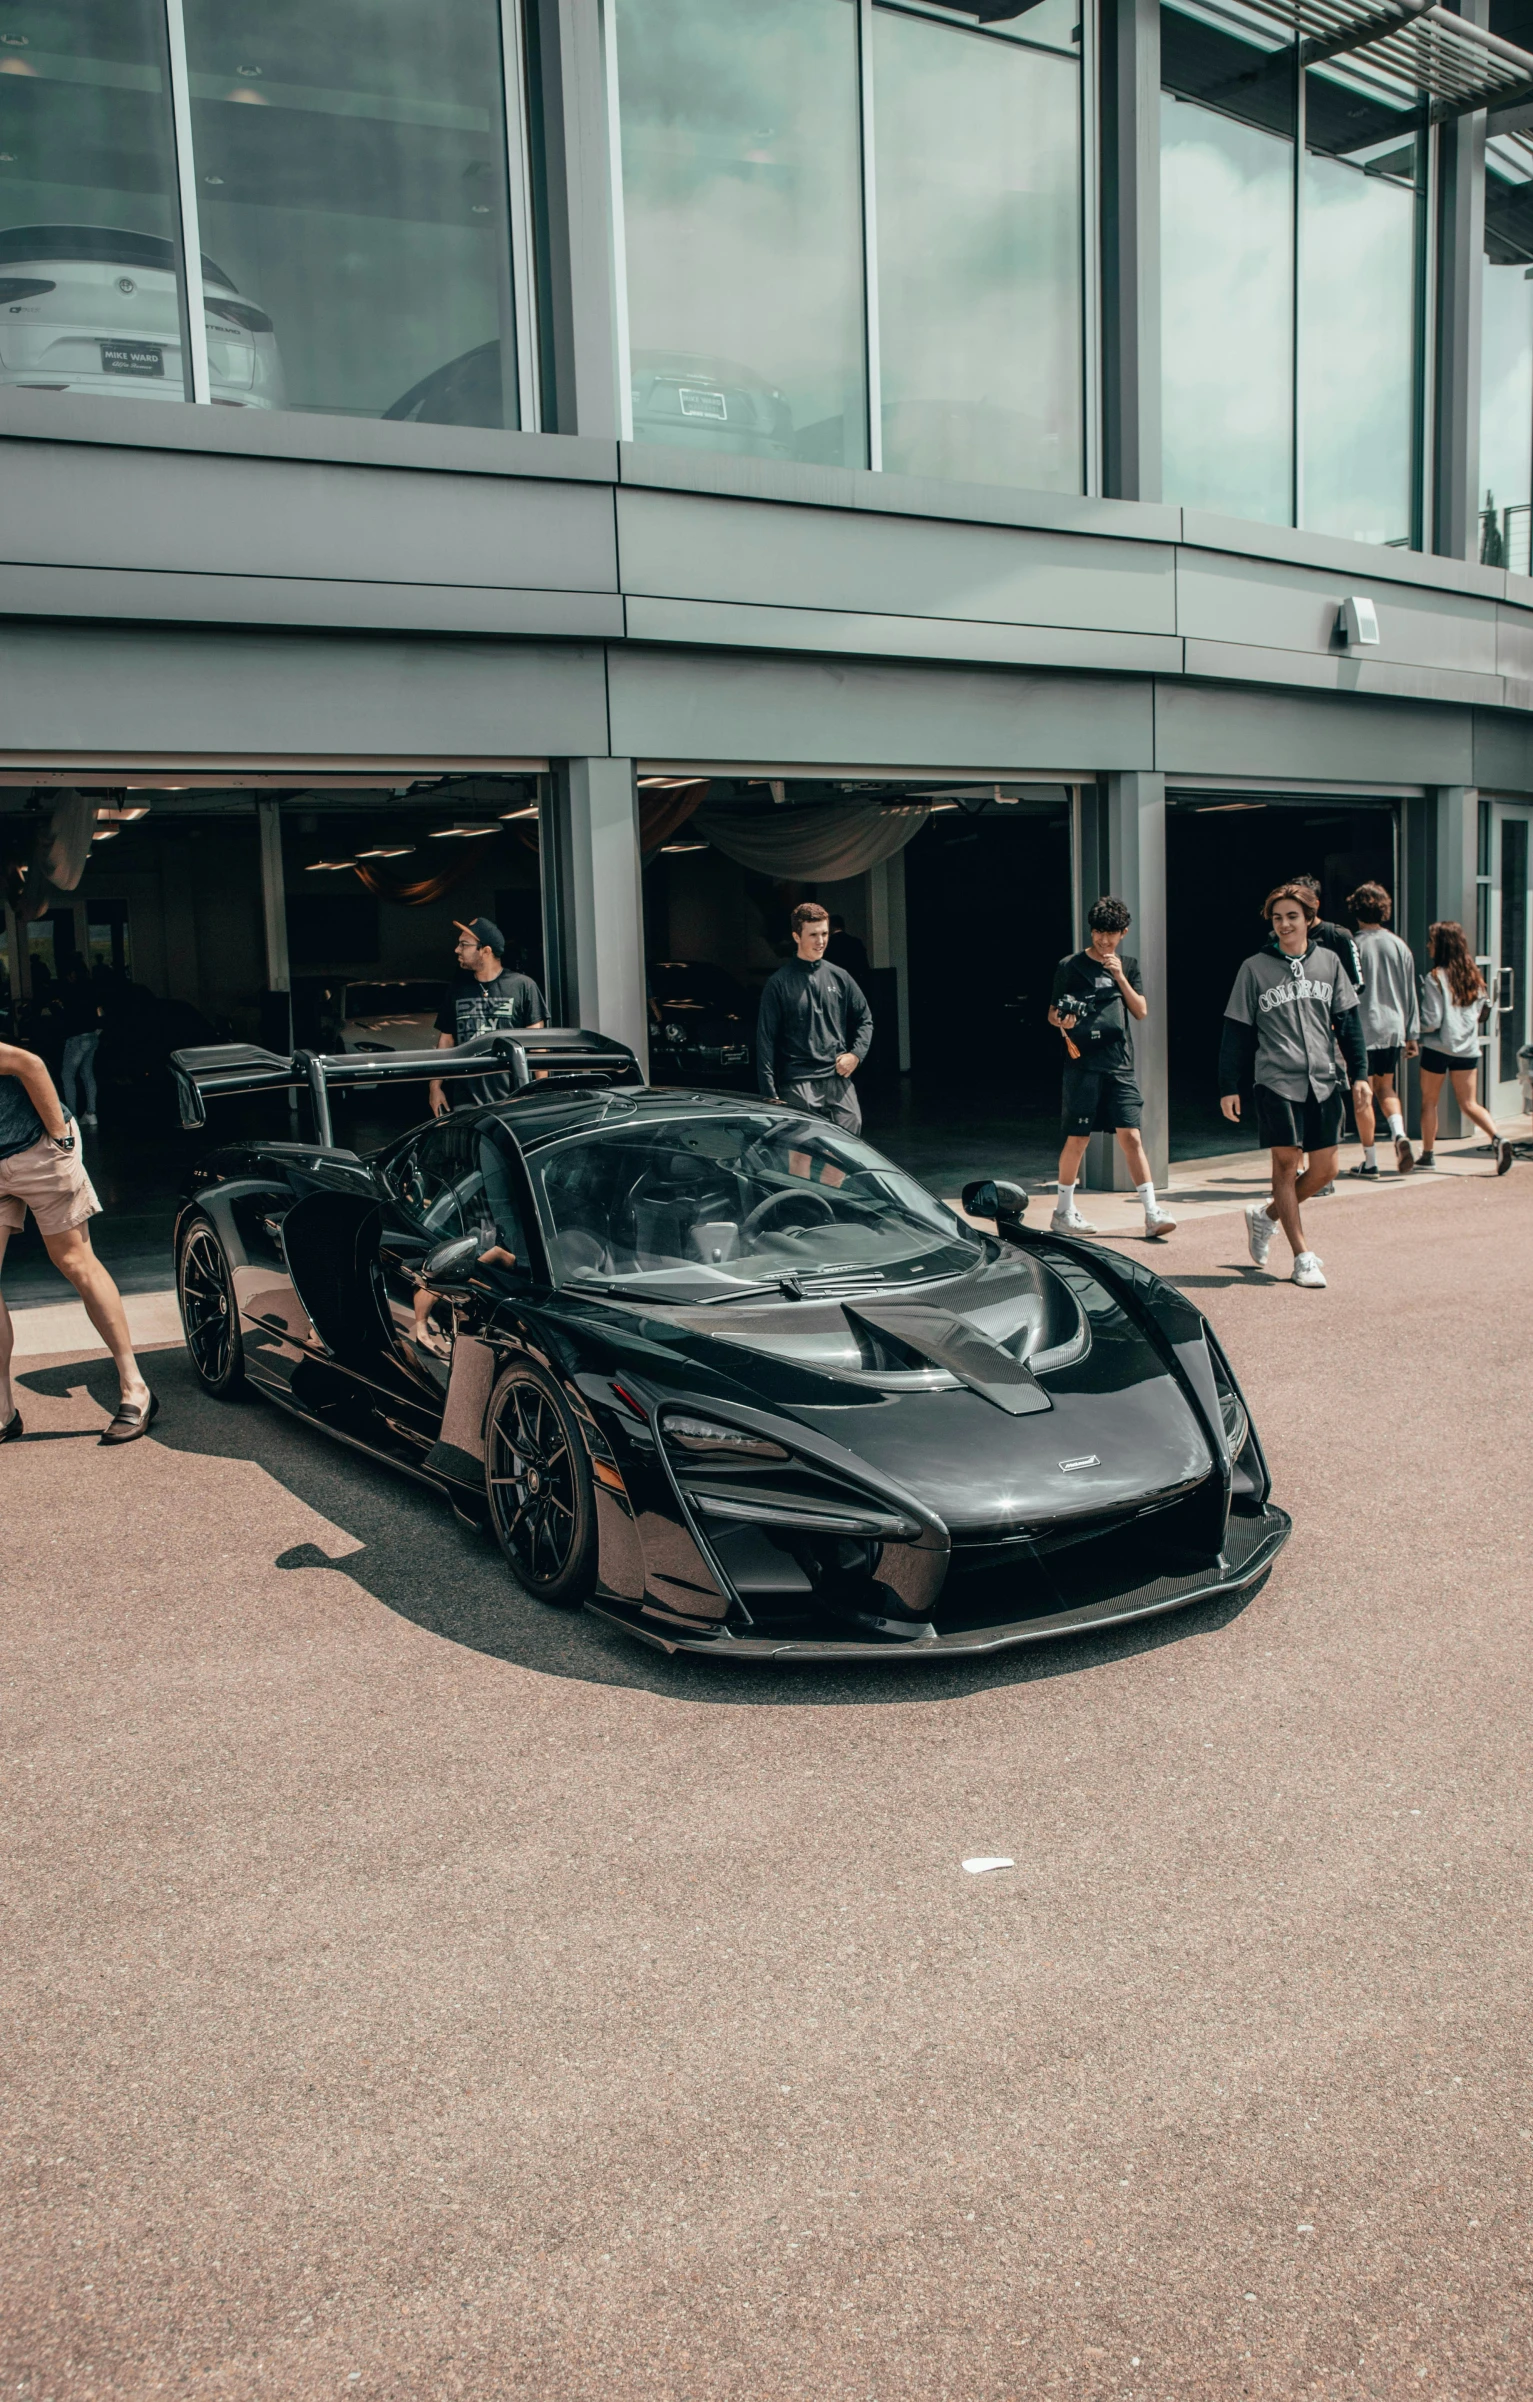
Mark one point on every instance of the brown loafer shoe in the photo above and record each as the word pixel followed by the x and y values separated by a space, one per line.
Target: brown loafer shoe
pixel 134 1418
pixel 13 1430
pixel 1405 1157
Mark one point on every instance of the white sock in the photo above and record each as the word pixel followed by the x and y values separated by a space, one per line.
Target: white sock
pixel 1146 1194
pixel 1371 1154
pixel 1065 1204
pixel 1396 1124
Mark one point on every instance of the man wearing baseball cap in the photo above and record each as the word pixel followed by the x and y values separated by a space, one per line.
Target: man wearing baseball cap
pixel 483 998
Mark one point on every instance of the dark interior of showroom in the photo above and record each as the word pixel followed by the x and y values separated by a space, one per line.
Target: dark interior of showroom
pixel 1224 853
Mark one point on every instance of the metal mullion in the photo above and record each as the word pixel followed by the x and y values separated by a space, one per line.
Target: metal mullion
pixel 1090 121
pixel 1421 346
pixel 193 316
pixel 873 365
pixel 613 102
pixel 513 58
pixel 1297 496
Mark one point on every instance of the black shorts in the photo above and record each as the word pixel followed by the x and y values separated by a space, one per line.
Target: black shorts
pixel 1307 1125
pixel 1385 1061
pixel 1099 1100
pixel 1437 1063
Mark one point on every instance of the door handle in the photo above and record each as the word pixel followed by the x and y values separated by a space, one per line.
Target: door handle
pixel 1505 989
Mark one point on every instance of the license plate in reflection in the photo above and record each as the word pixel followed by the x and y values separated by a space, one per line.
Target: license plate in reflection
pixel 132 358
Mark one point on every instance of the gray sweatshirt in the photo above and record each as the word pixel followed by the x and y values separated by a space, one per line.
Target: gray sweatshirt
pixel 1391 1013
pixel 1449 1026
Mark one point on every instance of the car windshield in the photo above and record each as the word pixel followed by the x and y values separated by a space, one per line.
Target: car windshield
pixel 391 1000
pixel 707 1208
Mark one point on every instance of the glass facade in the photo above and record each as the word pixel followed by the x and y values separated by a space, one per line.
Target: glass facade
pixel 1506 359
pixel 977 144
pixel 1358 312
pixel 797 289
pixel 742 225
pixel 1291 300
pixel 90 281
pixel 351 176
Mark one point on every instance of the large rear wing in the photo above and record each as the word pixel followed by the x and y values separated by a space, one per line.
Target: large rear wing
pixel 550 1054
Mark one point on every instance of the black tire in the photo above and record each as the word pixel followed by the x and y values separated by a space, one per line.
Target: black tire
pixel 538 1483
pixel 209 1317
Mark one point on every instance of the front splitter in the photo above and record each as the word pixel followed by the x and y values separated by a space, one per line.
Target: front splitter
pixel 1250 1549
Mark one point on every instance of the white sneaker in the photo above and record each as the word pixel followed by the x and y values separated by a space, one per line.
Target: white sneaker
pixel 1070 1221
pixel 1156 1222
pixel 1308 1272
pixel 89 1118
pixel 1260 1230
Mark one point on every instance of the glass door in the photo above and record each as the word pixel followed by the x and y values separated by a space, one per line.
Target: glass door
pixel 1510 972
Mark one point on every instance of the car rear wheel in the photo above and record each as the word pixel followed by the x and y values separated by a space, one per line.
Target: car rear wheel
pixel 209 1318
pixel 538 1481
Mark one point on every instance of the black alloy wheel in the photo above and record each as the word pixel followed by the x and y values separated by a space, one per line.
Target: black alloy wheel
pixel 209 1317
pixel 538 1481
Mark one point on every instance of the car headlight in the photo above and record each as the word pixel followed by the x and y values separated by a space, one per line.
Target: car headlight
pixel 703 1439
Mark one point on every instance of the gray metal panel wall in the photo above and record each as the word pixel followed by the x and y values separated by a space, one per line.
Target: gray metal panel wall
pixel 1207 729
pixel 744 706
pixel 100 689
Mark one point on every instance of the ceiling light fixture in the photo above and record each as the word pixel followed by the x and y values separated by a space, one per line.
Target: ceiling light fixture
pixel 106 833
pixel 388 850
pixel 320 866
pixel 508 817
pixel 684 846
pixel 464 833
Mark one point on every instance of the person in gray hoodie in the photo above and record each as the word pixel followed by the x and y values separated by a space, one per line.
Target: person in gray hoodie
pixel 1391 1015
pixel 1292 1004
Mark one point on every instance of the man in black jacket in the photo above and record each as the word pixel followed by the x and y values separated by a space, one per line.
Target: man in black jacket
pixel 815 1027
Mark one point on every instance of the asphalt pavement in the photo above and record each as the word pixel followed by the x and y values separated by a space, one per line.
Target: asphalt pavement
pixel 411 1992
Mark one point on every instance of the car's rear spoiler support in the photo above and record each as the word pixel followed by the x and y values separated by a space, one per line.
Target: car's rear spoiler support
pixel 550 1054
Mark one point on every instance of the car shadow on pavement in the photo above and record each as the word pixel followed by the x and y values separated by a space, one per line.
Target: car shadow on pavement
pixel 420 1561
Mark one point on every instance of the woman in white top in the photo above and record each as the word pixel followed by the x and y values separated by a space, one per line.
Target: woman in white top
pixel 1452 1004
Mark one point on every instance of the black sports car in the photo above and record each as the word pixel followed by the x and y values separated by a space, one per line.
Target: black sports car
pixel 718 1370
pixel 701 1024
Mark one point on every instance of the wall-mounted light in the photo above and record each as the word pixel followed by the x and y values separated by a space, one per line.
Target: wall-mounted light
pixel 1357 622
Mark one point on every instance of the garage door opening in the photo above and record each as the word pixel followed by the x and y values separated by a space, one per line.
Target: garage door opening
pixel 319 914
pixel 955 906
pixel 1224 853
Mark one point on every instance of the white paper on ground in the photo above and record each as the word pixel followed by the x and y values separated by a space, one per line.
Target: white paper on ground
pixel 977 1868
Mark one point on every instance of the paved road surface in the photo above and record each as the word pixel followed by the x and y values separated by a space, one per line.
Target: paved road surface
pixel 409 1992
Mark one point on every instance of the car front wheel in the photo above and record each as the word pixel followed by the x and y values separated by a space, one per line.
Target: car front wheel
pixel 538 1482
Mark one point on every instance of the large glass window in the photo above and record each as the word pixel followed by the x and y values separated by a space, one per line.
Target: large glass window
pixel 977 142
pixel 742 218
pixel 1358 308
pixel 351 179
pixel 1506 358
pixel 90 295
pixel 1227 353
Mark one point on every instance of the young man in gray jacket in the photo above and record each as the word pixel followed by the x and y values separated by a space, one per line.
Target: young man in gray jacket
pixel 1391 1015
pixel 1292 1003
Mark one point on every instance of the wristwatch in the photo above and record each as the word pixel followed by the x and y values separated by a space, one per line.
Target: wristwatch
pixel 66 1140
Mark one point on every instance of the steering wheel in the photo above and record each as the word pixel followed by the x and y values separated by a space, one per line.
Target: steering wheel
pixel 755 1219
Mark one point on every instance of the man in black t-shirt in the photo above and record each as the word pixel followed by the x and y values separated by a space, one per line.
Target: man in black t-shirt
pixel 483 998
pixel 1096 992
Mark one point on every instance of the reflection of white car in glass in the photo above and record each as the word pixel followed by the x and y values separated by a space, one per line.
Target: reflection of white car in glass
pixel 680 397
pixel 390 1017
pixel 90 308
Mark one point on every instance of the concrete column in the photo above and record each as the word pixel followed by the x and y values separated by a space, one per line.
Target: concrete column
pixel 1455 519
pixel 600 899
pixel 273 895
pixel 1136 859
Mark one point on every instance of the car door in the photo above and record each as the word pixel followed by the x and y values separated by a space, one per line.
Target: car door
pixel 433 1192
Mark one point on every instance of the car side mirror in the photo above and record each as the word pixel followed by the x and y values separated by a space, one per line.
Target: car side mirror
pixel 994 1198
pixel 450 1262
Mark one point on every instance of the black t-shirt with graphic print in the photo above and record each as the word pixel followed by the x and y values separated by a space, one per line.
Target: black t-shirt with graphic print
pixel 498 1007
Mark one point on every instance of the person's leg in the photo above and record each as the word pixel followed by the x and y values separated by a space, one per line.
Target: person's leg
pixel 1321 1168
pixel 1367 1128
pixel 90 1045
pixel 1135 1155
pixel 7 1404
pixel 1070 1157
pixel 1283 1208
pixel 70 1073
pixel 1431 1088
pixel 1462 1080
pixel 72 1255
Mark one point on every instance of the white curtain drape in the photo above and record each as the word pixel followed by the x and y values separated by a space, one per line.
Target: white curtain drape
pixel 833 840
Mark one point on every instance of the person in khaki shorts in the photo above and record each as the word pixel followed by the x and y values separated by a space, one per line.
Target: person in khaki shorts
pixel 41 1170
